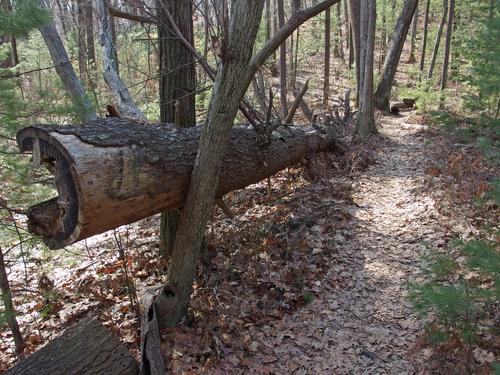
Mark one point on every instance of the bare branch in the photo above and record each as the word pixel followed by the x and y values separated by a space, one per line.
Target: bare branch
pixel 297 19
pixel 115 12
pixel 296 103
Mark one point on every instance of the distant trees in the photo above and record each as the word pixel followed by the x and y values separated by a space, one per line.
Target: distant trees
pixel 383 92
pixel 76 92
pixel 447 47
pixel 438 40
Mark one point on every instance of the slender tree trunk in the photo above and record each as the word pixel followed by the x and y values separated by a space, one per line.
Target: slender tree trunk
pixel 112 26
pixel 206 23
pixel 9 311
pixel 340 36
pixel 383 92
pixel 438 40
pixel 121 95
pixel 283 73
pixel 424 37
pixel 176 89
pixel 229 88
pixel 411 58
pixel 81 39
pixel 353 8
pixel 345 19
pixel 275 28
pixel 368 17
pixel 447 48
pixel 13 50
pixel 351 47
pixel 268 20
pixel 66 73
pixel 336 40
pixel 89 31
pixel 62 17
pixel 326 75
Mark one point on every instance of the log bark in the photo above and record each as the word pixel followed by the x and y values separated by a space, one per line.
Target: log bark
pixel 87 348
pixel 113 171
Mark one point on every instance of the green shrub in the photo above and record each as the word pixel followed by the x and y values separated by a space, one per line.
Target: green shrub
pixel 460 289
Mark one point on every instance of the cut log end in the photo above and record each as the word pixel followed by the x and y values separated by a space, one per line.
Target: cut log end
pixel 56 219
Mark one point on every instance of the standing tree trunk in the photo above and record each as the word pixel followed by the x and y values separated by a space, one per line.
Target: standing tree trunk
pixel 366 120
pixel 82 105
pixel 336 40
pixel 326 75
pixel 9 311
pixel 283 75
pixel 89 31
pixel 447 48
pixel 122 97
pixel 411 58
pixel 176 89
pixel 229 89
pixel 269 30
pixel 383 36
pixel 424 38
pixel 383 92
pixel 81 38
pixel 351 48
pixel 438 39
pixel 353 8
pixel 340 34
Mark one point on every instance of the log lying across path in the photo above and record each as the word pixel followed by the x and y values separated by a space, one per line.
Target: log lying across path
pixel 112 172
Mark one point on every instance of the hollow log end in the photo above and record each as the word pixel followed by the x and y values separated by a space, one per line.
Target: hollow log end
pixel 47 219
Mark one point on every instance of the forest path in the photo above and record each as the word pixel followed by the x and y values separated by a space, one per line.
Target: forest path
pixel 364 324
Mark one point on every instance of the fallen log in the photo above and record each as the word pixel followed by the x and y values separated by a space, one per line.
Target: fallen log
pixel 113 171
pixel 86 348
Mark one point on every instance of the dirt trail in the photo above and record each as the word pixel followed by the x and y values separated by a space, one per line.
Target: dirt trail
pixel 364 324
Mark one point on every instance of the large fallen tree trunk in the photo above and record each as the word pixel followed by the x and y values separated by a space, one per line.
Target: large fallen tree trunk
pixel 86 348
pixel 112 172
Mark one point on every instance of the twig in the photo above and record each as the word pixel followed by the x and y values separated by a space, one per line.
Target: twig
pixel 296 103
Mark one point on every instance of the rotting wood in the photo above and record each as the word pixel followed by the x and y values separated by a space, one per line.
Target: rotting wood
pixel 113 171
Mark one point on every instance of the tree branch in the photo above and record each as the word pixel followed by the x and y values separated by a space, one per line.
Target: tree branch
pixel 297 19
pixel 296 103
pixel 115 12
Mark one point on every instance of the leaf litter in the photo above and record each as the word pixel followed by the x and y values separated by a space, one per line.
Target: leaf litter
pixel 309 277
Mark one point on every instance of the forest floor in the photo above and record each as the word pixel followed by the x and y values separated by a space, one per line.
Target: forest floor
pixel 362 321
pixel 309 277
